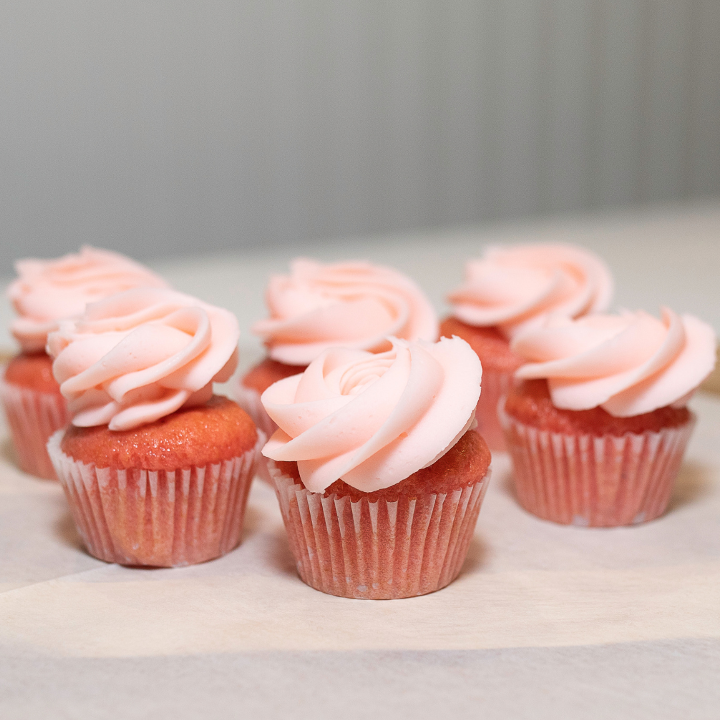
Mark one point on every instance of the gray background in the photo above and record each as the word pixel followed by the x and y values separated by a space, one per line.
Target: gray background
pixel 184 126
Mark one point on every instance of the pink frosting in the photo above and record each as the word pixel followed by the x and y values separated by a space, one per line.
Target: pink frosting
pixel 512 288
pixel 374 419
pixel 628 364
pixel 47 291
pixel 352 304
pixel 140 355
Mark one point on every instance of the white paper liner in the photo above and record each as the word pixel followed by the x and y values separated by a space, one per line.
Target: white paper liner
pixel 33 417
pixel 378 550
pixel 155 517
pixel 594 481
pixel 494 386
pixel 249 400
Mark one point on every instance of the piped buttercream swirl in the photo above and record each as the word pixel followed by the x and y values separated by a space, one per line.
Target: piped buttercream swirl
pixel 628 364
pixel 515 287
pixel 139 355
pixel 351 304
pixel 374 419
pixel 47 291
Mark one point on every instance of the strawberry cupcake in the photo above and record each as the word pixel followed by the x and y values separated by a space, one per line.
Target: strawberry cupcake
pixel 45 292
pixel 379 475
pixel 318 306
pixel 598 426
pixel 155 468
pixel 513 288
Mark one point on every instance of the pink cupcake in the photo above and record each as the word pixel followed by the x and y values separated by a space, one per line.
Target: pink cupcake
pixel 318 306
pixel 156 470
pixel 513 288
pixel 598 427
pixel 45 292
pixel 379 476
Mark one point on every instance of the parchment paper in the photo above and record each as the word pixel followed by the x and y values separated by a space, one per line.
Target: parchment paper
pixel 544 621
pixel 526 583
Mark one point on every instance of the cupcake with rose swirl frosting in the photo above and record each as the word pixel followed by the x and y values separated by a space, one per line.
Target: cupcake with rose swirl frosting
pixel 598 426
pixel 45 292
pixel 513 288
pixel 379 475
pixel 155 468
pixel 318 306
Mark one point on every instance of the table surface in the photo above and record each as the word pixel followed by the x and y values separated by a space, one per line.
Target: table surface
pixel 544 621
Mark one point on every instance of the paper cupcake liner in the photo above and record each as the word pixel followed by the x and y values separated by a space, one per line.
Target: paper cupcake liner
pixel 33 417
pixel 249 400
pixel 156 517
pixel 594 481
pixel 495 385
pixel 378 550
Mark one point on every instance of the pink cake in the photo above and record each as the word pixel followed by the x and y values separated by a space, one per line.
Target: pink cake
pixel 379 475
pixel 45 292
pixel 318 306
pixel 156 470
pixel 512 288
pixel 598 427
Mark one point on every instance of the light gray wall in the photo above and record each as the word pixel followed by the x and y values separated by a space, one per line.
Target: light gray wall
pixel 180 126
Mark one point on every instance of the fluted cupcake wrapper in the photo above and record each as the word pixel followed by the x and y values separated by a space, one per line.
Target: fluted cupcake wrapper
pixel 156 517
pixel 495 385
pixel 33 416
pixel 378 550
pixel 249 400
pixel 594 481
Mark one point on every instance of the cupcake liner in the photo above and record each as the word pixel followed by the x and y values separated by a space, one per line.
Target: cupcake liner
pixel 495 385
pixel 156 517
pixel 378 550
pixel 594 481
pixel 249 400
pixel 33 417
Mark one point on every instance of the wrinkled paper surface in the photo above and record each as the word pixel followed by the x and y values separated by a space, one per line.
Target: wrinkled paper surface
pixel 526 582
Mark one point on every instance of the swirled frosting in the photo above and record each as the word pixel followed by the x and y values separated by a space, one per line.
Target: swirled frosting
pixel 374 419
pixel 351 304
pixel 139 355
pixel 47 291
pixel 512 288
pixel 628 364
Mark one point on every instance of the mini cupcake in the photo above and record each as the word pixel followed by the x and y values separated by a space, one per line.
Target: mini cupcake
pixel 513 288
pixel 156 470
pixel 379 477
pixel 316 306
pixel 45 292
pixel 598 427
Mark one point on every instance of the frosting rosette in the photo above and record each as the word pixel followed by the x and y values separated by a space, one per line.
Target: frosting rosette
pixel 515 287
pixel 47 291
pixel 351 304
pixel 374 419
pixel 628 364
pixel 139 355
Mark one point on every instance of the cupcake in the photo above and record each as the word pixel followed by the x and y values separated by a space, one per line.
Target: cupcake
pixel 378 473
pixel 598 426
pixel 45 292
pixel 350 304
pixel 156 470
pixel 513 288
